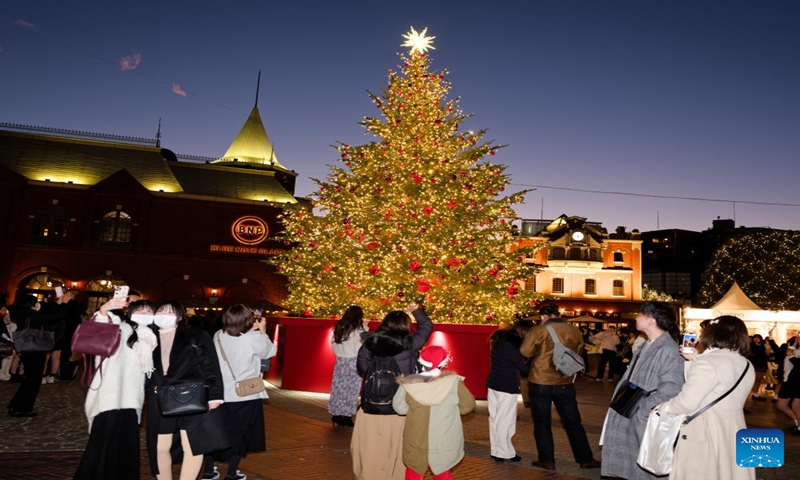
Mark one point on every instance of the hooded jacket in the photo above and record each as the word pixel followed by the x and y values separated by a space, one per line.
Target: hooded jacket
pixel 433 434
pixel 404 349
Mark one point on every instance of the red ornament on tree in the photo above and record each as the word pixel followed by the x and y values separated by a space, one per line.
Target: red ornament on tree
pixel 414 265
pixel 374 270
pixel 423 286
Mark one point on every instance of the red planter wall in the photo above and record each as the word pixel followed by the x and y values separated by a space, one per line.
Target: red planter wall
pixel 305 358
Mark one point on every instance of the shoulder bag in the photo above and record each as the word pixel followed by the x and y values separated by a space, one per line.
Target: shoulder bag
pixel 661 435
pixel 95 339
pixel 246 387
pixel 627 399
pixel 32 340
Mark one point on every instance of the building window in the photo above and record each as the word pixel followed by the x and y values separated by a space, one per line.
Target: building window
pixel 619 288
pixel 52 225
pixel 115 230
pixel 558 253
pixel 590 286
pixel 618 257
pixel 530 284
pixel 558 285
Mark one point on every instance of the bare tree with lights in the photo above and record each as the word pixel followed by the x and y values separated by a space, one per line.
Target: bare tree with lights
pixel 414 215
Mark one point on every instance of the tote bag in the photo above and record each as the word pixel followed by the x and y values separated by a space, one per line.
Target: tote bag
pixel 658 442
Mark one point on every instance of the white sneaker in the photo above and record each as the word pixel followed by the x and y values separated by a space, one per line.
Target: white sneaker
pixel 44 380
pixel 213 476
pixel 51 379
pixel 239 476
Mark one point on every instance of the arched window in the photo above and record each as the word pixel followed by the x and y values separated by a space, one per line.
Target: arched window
pixel 41 284
pixel 115 230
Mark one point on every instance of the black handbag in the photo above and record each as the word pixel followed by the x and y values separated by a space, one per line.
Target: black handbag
pixel 31 340
pixel 182 399
pixel 627 399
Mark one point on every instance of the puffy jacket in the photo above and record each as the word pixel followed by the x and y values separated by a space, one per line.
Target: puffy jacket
pixel 404 350
pixel 433 434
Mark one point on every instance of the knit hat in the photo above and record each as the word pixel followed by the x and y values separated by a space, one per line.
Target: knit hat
pixel 434 357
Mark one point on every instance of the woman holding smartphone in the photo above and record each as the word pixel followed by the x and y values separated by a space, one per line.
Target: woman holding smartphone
pixel 706 447
pixel 240 346
pixel 116 395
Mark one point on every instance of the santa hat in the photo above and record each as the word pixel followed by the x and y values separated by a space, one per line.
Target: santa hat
pixel 434 357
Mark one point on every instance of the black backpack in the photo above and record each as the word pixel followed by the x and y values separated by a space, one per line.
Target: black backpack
pixel 380 385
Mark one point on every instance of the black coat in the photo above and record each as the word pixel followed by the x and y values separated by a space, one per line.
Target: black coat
pixel 507 363
pixel 192 359
pixel 405 350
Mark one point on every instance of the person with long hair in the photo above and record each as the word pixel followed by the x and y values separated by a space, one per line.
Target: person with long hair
pixel 656 367
pixel 706 447
pixel 503 388
pixel 28 312
pixel 241 345
pixel 184 354
pixel 346 382
pixel 789 392
pixel 377 442
pixel 116 395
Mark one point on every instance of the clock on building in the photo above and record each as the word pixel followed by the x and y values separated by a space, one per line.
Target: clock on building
pixel 577 236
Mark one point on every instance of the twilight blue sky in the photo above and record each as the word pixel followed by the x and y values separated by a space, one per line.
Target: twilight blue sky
pixel 683 98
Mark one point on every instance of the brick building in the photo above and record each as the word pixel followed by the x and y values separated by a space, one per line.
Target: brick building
pixel 90 211
pixel 589 271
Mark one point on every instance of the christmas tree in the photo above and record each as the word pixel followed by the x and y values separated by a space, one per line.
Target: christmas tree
pixel 413 216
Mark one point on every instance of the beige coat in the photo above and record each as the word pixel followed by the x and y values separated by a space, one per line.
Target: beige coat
pixel 707 446
pixel 433 433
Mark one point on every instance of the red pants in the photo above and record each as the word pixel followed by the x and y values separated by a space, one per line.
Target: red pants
pixel 412 475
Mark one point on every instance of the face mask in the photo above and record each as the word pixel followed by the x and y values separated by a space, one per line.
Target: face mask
pixel 142 319
pixel 165 321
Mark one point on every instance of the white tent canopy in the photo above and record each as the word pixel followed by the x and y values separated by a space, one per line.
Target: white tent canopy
pixel 738 304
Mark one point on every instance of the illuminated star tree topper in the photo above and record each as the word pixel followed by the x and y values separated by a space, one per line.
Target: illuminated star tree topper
pixel 418 41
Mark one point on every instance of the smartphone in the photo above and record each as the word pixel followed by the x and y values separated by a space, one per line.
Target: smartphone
pixel 121 291
pixel 689 343
pixel 59 292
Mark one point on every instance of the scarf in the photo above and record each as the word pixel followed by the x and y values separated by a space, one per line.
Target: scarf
pixel 143 350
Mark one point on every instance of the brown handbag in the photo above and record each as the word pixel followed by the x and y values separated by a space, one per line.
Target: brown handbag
pixel 249 386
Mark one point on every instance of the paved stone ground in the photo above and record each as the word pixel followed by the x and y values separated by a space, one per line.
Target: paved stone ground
pixel 302 444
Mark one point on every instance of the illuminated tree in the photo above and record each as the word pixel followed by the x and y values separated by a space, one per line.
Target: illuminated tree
pixel 765 265
pixel 652 295
pixel 414 215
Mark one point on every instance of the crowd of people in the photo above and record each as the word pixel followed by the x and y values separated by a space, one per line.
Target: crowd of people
pixel 161 353
pixel 396 394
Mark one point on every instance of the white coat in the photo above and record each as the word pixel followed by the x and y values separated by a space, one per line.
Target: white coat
pixel 707 446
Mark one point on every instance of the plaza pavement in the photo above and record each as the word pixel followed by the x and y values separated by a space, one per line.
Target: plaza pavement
pixel 302 444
